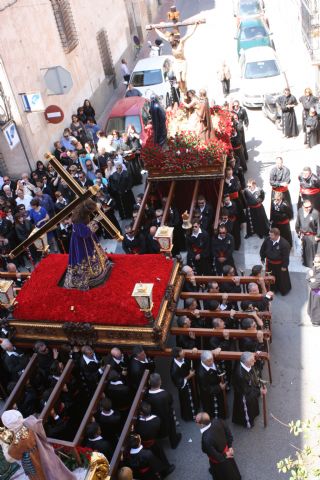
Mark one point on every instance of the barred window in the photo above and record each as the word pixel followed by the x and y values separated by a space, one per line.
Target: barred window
pixel 105 54
pixel 65 23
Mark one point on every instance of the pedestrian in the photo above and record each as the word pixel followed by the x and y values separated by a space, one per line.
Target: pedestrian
pixel 309 188
pixel 313 281
pixel 257 221
pixel 280 179
pixel 307 100
pixel 183 376
pixel 312 129
pixel 198 248
pixel 224 76
pixel 287 102
pixel 275 251
pixel 281 214
pixel 211 386
pixel 132 92
pixel 246 391
pixel 243 122
pixel 216 442
pixel 125 71
pixel 308 230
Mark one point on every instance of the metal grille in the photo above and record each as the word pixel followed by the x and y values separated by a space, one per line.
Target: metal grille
pixel 65 23
pixel 105 54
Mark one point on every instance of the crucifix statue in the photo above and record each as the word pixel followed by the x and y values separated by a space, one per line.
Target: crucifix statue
pixel 177 43
pixel 82 207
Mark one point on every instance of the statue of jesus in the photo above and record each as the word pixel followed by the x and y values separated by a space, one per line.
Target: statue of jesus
pixel 180 62
pixel 88 265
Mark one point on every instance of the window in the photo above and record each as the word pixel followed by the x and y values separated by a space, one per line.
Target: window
pixel 65 23
pixel 105 54
pixel 121 123
pixel 267 68
pixel 146 78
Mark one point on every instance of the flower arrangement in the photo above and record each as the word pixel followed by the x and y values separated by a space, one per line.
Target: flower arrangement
pixel 67 455
pixel 185 152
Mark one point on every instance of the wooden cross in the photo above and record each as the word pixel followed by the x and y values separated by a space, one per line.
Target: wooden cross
pixel 82 194
pixel 174 25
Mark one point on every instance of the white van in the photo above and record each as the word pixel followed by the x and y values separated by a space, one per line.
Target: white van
pixel 260 75
pixel 150 76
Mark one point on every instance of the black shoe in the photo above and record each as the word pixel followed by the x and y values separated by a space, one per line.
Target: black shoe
pixel 169 470
pixel 176 443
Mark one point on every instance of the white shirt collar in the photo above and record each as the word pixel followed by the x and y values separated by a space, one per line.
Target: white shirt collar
pixel 213 367
pixel 105 414
pixel 178 362
pixel 276 241
pixel 95 439
pixel 88 360
pixel 117 360
pixel 205 428
pixel 146 419
pixel 247 369
pixel 196 234
pixel 156 391
pixel 134 451
pixel 13 353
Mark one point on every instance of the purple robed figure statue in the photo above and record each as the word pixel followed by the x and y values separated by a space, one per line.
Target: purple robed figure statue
pixel 88 265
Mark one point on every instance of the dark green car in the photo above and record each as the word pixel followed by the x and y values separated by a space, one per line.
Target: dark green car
pixel 253 33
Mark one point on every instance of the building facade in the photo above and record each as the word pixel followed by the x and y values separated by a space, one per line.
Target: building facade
pixel 87 39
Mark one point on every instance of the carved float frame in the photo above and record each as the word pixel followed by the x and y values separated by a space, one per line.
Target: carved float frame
pixel 153 336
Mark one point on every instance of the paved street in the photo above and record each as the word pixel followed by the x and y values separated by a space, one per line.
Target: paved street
pixel 295 342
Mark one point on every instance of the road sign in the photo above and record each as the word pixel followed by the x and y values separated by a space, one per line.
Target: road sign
pixel 32 102
pixel 11 135
pixel 58 80
pixel 53 114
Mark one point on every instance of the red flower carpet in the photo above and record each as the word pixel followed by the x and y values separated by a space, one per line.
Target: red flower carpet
pixel 41 299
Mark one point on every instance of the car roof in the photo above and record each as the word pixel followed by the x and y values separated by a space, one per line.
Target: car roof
pixel 260 53
pixel 127 106
pixel 150 63
pixel 252 22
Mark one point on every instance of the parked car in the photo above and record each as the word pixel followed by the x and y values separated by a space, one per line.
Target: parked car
pixel 248 9
pixel 132 110
pixel 150 76
pixel 253 32
pixel 260 75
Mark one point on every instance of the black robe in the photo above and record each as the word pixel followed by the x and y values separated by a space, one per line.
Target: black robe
pixel 214 441
pixel 278 176
pixel 289 121
pixel 257 221
pixel 149 430
pixel 120 189
pixel 187 397
pixel 312 130
pixel 243 121
pixel 145 465
pixel 223 248
pixel 280 216
pixel 277 257
pixel 310 190
pixel 137 369
pixel 206 218
pixel 158 118
pixel 233 215
pixel 246 396
pixel 211 395
pixel 308 228
pixel 199 246
pixel 307 102
pixel 232 187
pixel 162 405
pixel 134 245
pixel 237 140
pixel 314 296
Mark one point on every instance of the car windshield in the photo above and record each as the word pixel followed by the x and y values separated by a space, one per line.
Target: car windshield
pixel 249 33
pixel 146 78
pixel 121 123
pixel 266 68
pixel 249 8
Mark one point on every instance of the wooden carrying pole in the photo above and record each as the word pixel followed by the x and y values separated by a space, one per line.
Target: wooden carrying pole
pixel 185 23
